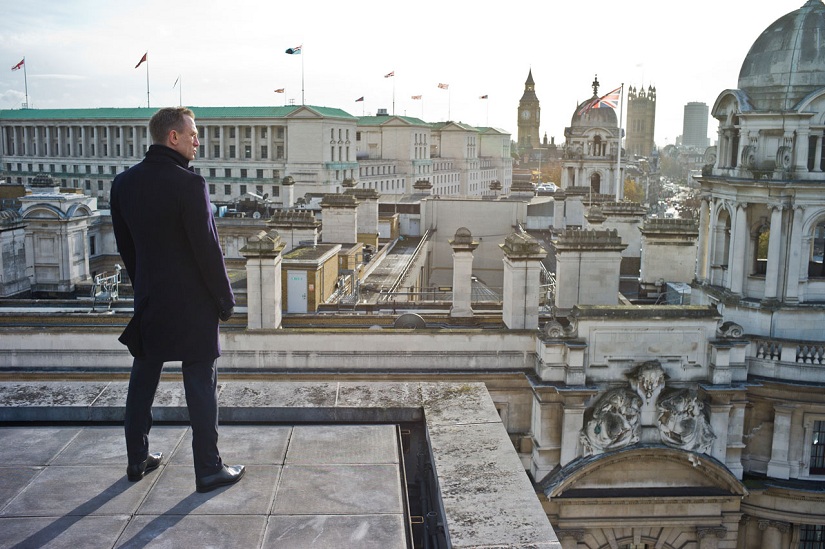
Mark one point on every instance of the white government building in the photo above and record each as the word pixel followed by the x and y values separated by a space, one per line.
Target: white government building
pixel 252 149
pixel 684 426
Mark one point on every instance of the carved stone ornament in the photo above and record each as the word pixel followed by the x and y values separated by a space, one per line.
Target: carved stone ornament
pixel 684 421
pixel 648 380
pixel 617 417
pixel 729 330
pixel 614 422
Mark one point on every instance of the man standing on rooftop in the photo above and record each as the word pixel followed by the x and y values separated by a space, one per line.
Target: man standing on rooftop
pixel 166 235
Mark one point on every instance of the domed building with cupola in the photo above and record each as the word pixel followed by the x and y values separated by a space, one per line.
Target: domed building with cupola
pixel 591 152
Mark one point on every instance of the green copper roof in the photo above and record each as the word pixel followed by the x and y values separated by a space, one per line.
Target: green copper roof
pixel 146 113
pixel 379 120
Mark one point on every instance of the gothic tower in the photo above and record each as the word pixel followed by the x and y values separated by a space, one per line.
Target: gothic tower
pixel 641 121
pixel 529 116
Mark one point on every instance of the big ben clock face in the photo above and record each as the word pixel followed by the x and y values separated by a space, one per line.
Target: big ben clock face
pixel 525 114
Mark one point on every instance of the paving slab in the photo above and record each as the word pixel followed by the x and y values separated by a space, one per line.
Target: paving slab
pixel 174 493
pixel 34 446
pixel 175 531
pixel 338 490
pixel 106 445
pixel 335 532
pixel 13 480
pixel 61 532
pixel 78 490
pixel 244 444
pixel 329 444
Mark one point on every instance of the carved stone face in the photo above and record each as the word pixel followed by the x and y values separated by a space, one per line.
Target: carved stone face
pixel 648 380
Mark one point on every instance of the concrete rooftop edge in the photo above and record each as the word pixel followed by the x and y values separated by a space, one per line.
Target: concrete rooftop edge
pixel 487 502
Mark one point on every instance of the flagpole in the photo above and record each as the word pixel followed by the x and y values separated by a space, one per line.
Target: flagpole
pixel 302 76
pixel 147 83
pixel 619 190
pixel 26 82
pixel 180 90
pixel 393 92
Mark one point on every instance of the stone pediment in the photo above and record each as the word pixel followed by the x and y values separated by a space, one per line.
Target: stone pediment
pixel 643 471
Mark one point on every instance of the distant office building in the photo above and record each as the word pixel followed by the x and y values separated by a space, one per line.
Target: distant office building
pixel 641 121
pixel 695 125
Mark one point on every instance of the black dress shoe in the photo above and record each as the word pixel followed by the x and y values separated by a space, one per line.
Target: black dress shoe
pixel 230 474
pixel 136 472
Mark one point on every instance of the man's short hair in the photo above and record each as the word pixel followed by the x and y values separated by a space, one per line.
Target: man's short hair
pixel 166 120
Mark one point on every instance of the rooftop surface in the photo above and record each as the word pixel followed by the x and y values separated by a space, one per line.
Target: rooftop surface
pixel 325 468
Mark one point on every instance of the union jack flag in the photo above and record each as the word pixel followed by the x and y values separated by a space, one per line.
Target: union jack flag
pixel 610 99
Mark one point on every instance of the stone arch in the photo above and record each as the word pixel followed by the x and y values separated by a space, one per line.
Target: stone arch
pixel 813 232
pixel 595 182
pixel 43 211
pixel 722 232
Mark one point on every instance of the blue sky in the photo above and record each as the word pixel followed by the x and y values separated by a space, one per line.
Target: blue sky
pixel 82 53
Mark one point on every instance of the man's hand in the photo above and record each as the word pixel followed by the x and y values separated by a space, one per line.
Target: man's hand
pixel 226 314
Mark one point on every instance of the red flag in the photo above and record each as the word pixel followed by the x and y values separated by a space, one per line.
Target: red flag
pixel 416 97
pixel 19 65
pixel 279 90
pixel 359 99
pixel 444 86
pixel 142 59
pixel 389 74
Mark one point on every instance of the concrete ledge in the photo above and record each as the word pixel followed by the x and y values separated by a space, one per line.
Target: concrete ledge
pixel 487 498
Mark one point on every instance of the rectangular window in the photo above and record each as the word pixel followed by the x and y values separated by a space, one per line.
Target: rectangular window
pixel 227 190
pixel 100 185
pixel 211 188
pixel 92 245
pixel 280 133
pixel 811 536
pixel 263 132
pixel 259 174
pixel 227 172
pixel 818 449
pixel 248 132
pixel 259 189
pixel 216 151
pixel 217 132
pixel 231 151
pixel 243 189
pixel 247 151
pixel 276 190
pixel 243 172
pixel 264 151
pixel 280 152
pixel 232 132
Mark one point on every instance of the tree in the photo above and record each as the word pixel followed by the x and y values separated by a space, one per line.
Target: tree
pixel 633 191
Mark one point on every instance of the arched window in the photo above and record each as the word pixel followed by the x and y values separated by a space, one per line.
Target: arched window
pixel 816 266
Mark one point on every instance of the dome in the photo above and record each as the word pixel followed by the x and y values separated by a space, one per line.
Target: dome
pixel 604 117
pixel 785 63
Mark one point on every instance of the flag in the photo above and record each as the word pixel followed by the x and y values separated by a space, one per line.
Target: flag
pixel 483 97
pixel 610 99
pixel 294 51
pixel 444 86
pixel 142 59
pixel 19 65
pixel 389 74
pixel 359 99
pixel 279 90
pixel 416 97
pixel 176 82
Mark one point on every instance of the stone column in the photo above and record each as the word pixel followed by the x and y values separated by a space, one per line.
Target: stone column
pixel 719 419
pixel 588 265
pixel 253 143
pixel 772 532
pixel 796 256
pixel 774 241
pixel 61 151
pixel 570 538
pixel 263 275
pixel 739 244
pixel 801 151
pixel 778 466
pixel 704 236
pixel 709 536
pixel 288 191
pixel 572 424
pixel 818 152
pixel 522 255
pixel 463 246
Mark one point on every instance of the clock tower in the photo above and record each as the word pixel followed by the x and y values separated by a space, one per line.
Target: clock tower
pixel 529 116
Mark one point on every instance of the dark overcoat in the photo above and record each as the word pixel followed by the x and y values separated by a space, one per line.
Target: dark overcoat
pixel 166 235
